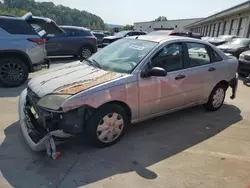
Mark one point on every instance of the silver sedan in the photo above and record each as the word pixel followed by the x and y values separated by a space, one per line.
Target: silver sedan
pixel 131 80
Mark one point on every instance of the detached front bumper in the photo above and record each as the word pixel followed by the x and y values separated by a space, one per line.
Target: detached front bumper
pixel 234 85
pixel 27 127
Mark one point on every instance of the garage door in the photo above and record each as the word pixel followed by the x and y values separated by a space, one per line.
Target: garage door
pixel 234 27
pixel 215 30
pixel 227 27
pixel 211 31
pixel 221 25
pixel 243 28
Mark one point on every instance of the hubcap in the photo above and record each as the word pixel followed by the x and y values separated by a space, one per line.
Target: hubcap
pixel 110 127
pixel 86 53
pixel 218 97
pixel 11 72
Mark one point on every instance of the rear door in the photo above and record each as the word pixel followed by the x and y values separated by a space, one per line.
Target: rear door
pixel 200 77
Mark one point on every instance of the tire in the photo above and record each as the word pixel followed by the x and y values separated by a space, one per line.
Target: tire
pixel 85 52
pixel 211 105
pixel 100 131
pixel 13 72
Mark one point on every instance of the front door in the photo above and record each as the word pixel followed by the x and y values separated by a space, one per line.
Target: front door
pixel 160 94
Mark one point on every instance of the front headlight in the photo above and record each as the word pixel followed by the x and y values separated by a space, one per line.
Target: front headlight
pixel 52 102
pixel 241 56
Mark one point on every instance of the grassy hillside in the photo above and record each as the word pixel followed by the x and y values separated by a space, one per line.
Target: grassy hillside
pixel 61 14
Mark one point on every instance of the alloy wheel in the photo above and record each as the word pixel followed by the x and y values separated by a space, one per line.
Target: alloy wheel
pixel 11 72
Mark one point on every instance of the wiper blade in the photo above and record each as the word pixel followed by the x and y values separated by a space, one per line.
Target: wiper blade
pixel 96 63
pixel 93 62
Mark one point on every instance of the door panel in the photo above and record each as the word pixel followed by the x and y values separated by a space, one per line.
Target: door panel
pixel 159 94
pixel 199 80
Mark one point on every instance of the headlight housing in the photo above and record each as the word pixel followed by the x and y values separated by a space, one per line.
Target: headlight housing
pixel 52 102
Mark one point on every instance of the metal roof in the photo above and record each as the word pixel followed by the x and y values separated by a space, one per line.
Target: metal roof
pixel 162 38
pixel 233 10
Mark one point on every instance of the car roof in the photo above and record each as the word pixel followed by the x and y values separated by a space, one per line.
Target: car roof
pixel 162 38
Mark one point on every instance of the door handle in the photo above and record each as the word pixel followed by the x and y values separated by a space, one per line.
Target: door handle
pixel 211 69
pixel 179 77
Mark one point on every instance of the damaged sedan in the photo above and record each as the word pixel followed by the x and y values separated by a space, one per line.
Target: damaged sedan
pixel 131 80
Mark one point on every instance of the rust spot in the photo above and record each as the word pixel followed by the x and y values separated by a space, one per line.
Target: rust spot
pixel 80 86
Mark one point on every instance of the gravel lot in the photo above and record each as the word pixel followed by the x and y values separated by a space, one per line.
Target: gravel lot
pixel 187 149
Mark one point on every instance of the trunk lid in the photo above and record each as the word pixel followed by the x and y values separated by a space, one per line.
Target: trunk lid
pixel 41 24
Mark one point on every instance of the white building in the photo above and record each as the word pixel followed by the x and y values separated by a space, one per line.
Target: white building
pixel 169 24
pixel 233 21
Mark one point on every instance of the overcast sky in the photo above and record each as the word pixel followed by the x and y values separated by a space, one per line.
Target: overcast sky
pixel 130 11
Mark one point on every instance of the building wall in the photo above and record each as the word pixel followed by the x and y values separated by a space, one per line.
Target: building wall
pixel 176 24
pixel 232 24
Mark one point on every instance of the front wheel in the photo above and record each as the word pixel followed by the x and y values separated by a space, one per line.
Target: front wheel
pixel 107 125
pixel 216 98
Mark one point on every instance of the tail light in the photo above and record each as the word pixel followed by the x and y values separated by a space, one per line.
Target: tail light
pixel 39 41
pixel 93 37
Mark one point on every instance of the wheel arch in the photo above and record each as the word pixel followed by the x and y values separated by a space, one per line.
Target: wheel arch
pixel 224 83
pixel 17 54
pixel 122 105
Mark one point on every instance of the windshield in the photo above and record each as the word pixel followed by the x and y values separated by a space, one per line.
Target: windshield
pixel 156 33
pixel 123 55
pixel 243 42
pixel 121 33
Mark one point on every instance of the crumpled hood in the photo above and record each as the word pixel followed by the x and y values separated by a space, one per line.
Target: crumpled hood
pixel 112 37
pixel 70 79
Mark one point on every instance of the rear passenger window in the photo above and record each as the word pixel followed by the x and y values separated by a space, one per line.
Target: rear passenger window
pixel 15 26
pixel 215 56
pixel 198 54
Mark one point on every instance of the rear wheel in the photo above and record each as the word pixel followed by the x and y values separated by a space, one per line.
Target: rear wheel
pixel 13 72
pixel 216 98
pixel 85 52
pixel 107 125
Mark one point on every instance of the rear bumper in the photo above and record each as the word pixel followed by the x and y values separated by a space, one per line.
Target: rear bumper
pixel 27 127
pixel 244 66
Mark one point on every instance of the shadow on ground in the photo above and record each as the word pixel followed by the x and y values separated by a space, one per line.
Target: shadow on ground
pixel 144 144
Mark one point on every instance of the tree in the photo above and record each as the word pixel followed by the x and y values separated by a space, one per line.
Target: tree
pixel 61 14
pixel 161 18
pixel 128 27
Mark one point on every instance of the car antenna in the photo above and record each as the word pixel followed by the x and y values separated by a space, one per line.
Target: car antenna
pixel 137 37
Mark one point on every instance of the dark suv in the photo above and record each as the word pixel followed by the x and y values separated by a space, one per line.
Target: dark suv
pixel 76 41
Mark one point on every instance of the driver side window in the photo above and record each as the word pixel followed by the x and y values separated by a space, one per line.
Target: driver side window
pixel 169 58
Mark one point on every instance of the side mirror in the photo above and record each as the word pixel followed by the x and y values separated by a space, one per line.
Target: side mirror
pixel 156 71
pixel 126 35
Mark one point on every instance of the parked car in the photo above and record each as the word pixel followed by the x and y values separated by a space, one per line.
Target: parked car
pixel 21 48
pixel 175 33
pixel 244 63
pixel 99 37
pixel 76 41
pixel 236 46
pixel 221 39
pixel 109 39
pixel 131 80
